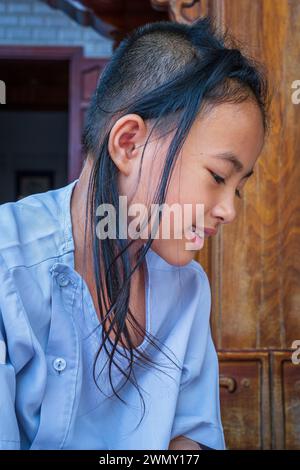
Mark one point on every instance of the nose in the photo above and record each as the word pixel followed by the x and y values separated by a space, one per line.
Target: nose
pixel 225 210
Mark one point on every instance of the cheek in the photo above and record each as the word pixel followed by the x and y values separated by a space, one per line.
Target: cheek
pixel 193 197
pixel 207 190
pixel 191 186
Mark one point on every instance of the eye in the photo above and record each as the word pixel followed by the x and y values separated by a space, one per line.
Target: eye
pixel 220 180
pixel 238 194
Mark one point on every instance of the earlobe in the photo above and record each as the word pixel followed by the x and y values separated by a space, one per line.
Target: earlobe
pixel 123 159
pixel 121 156
pixel 123 162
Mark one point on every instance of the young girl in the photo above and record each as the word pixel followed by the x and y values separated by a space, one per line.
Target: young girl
pixel 106 341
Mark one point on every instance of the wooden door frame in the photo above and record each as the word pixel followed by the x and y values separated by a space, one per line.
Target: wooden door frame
pixel 73 55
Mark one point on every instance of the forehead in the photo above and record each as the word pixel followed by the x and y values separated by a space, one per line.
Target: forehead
pixel 229 128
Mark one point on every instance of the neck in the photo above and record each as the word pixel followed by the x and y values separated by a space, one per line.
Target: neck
pixel 78 209
pixel 78 213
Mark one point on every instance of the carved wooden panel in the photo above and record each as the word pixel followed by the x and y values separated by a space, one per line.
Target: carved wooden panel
pixel 182 11
pixel 245 399
pixel 255 264
pixel 255 261
pixel 286 401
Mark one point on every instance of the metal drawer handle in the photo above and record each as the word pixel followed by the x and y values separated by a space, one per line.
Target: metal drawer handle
pixel 228 382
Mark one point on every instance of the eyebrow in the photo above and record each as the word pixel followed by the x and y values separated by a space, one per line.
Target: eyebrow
pixel 237 164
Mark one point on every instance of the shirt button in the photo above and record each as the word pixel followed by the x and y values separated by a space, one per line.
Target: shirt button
pixel 59 364
pixel 63 280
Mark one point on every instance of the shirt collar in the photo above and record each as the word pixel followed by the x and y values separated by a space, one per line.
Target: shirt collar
pixel 68 241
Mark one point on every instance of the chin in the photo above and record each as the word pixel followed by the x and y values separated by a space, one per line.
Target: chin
pixel 173 251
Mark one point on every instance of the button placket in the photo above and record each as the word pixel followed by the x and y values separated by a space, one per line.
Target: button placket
pixel 62 353
pixel 59 364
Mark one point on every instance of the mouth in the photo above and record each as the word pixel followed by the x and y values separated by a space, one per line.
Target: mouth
pixel 197 231
pixel 196 240
pixel 207 232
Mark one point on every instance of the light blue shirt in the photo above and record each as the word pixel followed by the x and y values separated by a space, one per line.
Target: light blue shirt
pixel 48 398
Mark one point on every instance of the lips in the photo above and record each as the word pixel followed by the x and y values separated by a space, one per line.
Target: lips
pixel 197 241
pixel 207 231
pixel 210 231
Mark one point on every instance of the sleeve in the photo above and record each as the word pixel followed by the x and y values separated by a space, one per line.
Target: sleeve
pixel 197 414
pixel 9 430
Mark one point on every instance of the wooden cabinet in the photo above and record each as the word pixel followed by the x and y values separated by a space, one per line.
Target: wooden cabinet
pixel 285 387
pixel 245 399
pixel 260 399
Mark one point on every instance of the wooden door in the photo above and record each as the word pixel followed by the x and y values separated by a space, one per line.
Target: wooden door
pixel 84 73
pixel 254 263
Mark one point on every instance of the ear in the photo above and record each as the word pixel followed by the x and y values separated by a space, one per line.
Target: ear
pixel 128 133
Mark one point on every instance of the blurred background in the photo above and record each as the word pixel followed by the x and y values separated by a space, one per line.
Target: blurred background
pixel 51 55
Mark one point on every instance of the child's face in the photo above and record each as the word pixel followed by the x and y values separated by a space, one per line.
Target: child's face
pixel 227 129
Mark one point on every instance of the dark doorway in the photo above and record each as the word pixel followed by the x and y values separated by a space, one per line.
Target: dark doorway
pixel 47 93
pixel 33 127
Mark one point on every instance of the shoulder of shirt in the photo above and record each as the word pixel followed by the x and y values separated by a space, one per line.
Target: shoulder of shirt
pixel 200 277
pixel 33 228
